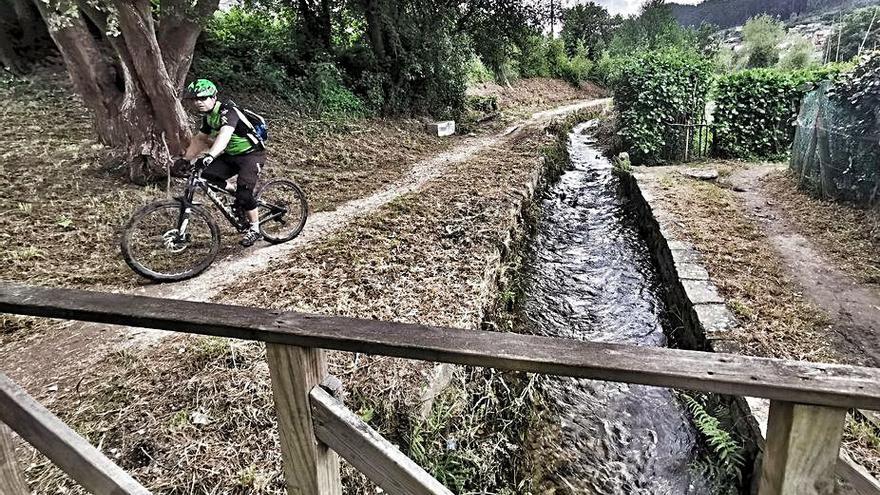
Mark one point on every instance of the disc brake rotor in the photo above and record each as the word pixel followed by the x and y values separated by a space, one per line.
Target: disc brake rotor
pixel 174 242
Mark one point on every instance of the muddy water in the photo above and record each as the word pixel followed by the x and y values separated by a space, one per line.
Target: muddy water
pixel 590 276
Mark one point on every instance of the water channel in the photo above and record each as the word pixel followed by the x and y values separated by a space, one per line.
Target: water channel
pixel 589 275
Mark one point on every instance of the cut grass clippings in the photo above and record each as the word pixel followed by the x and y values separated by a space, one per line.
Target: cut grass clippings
pixel 850 236
pixel 200 420
pixel 776 320
pixel 66 199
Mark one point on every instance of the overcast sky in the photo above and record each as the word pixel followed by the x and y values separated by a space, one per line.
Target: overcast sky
pixel 624 7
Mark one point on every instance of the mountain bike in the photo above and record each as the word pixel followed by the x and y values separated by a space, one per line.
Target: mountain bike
pixel 177 239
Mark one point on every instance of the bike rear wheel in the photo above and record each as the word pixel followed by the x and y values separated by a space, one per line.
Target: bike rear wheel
pixel 283 210
pixel 153 246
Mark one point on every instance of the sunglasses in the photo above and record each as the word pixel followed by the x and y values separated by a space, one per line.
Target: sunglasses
pixel 202 98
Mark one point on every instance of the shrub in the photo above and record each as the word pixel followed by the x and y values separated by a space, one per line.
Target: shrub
pixel 533 60
pixel 579 66
pixel 756 108
pixel 761 37
pixel 799 54
pixel 853 153
pixel 608 68
pixel 658 88
pixel 557 59
pixel 248 51
pixel 477 73
pixel 332 98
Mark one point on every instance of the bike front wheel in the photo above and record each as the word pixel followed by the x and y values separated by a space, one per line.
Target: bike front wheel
pixel 162 242
pixel 283 210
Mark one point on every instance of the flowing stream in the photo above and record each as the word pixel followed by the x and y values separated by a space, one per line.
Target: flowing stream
pixel 589 275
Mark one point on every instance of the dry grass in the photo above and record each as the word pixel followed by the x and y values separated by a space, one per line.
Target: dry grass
pixel 849 236
pixel 776 319
pixel 421 258
pixel 861 440
pixel 66 200
pixel 193 416
pixel 535 92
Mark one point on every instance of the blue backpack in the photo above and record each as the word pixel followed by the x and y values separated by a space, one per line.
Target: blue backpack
pixel 258 129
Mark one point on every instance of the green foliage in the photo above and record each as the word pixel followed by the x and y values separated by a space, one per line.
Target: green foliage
pixel 756 108
pixel 654 28
pixel 854 31
pixel 588 25
pixel 761 37
pixel 557 59
pixel 724 462
pixel 860 88
pixel 472 439
pixel 477 73
pixel 539 56
pixel 578 67
pixel 533 59
pixel 799 54
pixel 331 97
pixel 857 126
pixel 249 50
pixel 657 89
pixel 608 69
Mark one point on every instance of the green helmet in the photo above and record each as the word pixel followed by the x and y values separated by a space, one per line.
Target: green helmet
pixel 200 88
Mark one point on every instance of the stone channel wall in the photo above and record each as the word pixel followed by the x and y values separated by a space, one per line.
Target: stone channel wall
pixel 701 319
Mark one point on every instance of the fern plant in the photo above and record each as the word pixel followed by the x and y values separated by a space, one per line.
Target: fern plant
pixel 726 458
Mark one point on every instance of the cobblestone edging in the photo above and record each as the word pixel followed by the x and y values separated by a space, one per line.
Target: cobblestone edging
pixel 705 321
pixel 700 315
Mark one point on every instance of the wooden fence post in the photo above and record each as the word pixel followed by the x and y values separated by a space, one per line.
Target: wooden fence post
pixel 802 447
pixel 11 479
pixel 310 467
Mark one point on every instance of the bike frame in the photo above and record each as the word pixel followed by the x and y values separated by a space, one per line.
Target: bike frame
pixel 196 183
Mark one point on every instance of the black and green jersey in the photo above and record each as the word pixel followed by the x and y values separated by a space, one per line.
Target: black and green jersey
pixel 225 114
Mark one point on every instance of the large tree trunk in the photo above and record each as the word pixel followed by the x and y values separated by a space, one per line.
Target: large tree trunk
pixel 9 57
pixel 375 31
pixel 178 32
pixel 33 31
pixel 129 83
pixel 317 24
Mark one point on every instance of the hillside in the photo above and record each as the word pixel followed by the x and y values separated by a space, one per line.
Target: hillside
pixel 729 13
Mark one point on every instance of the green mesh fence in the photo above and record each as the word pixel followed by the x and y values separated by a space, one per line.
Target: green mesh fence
pixel 829 157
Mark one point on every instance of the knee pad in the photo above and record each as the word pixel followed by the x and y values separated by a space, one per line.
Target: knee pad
pixel 244 196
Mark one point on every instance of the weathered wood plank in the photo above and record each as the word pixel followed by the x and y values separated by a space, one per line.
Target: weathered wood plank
pixel 857 476
pixel 872 416
pixel 366 450
pixel 11 478
pixel 63 446
pixel 309 466
pixel 793 381
pixel 803 443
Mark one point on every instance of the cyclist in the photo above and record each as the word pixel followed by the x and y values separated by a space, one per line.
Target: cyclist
pixel 226 146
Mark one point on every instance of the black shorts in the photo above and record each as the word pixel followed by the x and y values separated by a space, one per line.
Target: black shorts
pixel 246 167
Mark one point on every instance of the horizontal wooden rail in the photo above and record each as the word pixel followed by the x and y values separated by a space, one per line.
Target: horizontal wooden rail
pixel 792 381
pixel 63 446
pixel 344 432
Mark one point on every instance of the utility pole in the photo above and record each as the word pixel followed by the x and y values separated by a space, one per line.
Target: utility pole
pixel 552 19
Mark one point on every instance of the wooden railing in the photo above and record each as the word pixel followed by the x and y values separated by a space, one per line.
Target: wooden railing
pixel 809 401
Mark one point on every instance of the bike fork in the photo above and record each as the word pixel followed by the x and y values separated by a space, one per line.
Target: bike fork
pixel 183 219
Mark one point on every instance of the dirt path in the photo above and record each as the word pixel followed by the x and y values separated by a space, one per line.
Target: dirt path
pixel 44 361
pixel 853 308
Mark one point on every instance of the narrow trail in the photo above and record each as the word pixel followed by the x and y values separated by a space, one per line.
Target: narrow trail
pixel 48 360
pixel 853 308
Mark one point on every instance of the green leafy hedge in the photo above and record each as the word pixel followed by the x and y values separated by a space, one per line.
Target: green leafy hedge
pixel 756 110
pixel 658 87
